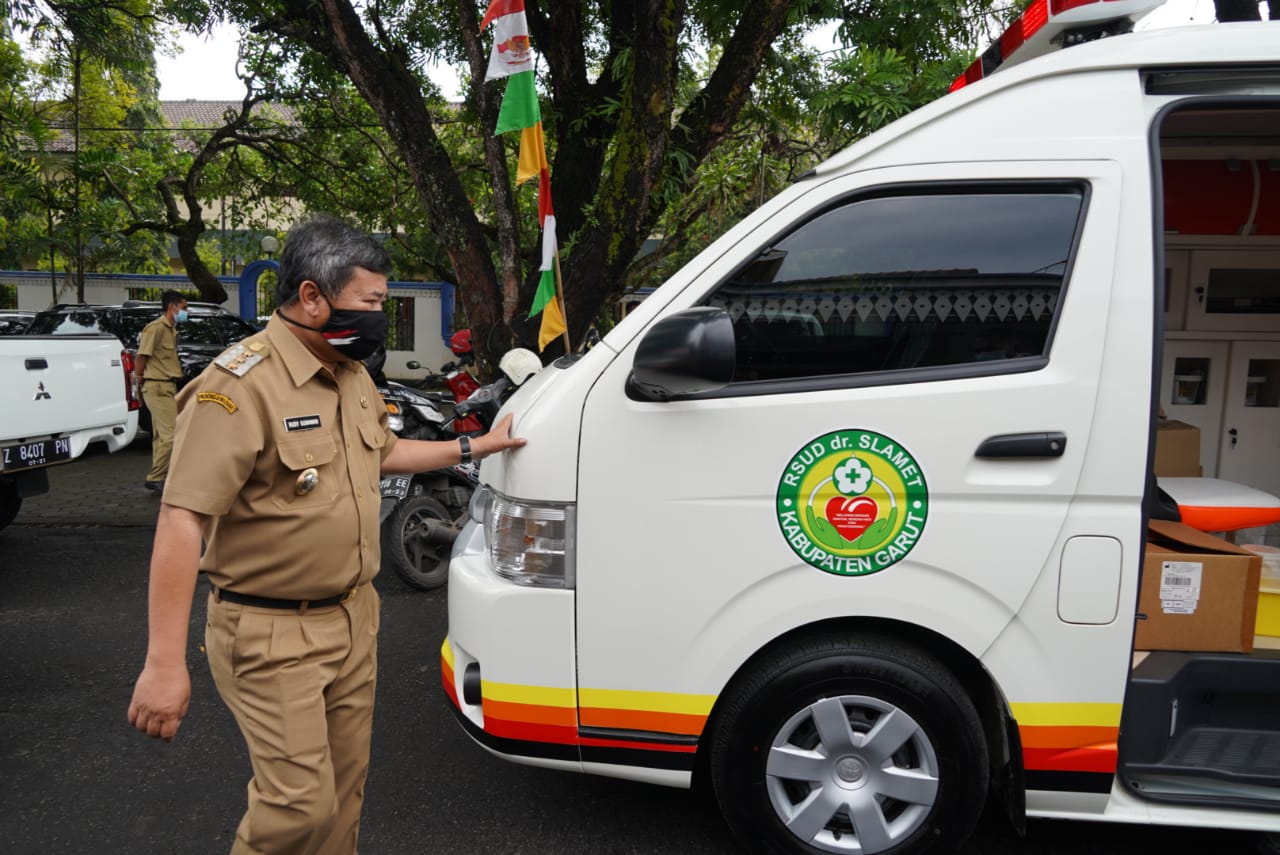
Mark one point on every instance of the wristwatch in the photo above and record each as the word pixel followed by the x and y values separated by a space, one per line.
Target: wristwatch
pixel 465 443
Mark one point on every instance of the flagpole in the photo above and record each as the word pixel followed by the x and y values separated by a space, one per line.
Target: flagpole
pixel 564 314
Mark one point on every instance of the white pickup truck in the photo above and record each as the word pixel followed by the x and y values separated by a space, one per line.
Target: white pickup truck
pixel 59 395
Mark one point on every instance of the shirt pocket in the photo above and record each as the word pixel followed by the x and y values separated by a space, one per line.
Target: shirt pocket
pixel 374 440
pixel 298 456
pixel 373 435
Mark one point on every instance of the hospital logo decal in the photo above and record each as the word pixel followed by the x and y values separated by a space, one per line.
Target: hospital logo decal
pixel 852 502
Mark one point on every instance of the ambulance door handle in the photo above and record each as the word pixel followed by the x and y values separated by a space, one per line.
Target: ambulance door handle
pixel 1042 444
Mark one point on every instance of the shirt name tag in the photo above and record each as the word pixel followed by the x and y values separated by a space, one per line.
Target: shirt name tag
pixel 302 423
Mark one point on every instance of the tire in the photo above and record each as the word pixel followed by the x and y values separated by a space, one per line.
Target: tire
pixel 849 745
pixel 10 504
pixel 417 540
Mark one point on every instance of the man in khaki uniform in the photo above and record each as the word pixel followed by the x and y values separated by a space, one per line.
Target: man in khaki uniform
pixel 280 446
pixel 158 372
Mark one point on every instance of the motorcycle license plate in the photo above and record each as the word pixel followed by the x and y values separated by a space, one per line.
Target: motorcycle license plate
pixel 28 454
pixel 396 486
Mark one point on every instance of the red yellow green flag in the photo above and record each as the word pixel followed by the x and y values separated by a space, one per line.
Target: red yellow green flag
pixel 512 52
pixel 519 108
pixel 533 154
pixel 512 57
pixel 545 300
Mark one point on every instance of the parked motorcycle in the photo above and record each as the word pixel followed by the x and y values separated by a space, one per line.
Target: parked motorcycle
pixel 455 377
pixel 421 514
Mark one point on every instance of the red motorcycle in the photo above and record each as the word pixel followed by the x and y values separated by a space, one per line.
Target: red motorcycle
pixel 455 377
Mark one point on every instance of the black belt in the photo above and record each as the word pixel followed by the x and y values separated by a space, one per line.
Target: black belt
pixel 159 379
pixel 286 605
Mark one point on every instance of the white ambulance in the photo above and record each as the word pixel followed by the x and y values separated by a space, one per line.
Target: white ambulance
pixel 848 518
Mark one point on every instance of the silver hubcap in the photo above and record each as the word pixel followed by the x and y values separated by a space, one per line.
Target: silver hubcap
pixel 850 770
pixel 852 774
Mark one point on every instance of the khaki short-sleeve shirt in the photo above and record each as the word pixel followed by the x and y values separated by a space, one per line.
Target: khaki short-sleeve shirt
pixel 159 343
pixel 286 458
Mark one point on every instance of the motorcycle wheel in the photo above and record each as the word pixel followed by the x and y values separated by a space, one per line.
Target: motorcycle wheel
pixel 414 544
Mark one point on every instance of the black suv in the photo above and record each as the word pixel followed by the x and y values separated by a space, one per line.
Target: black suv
pixel 14 321
pixel 208 330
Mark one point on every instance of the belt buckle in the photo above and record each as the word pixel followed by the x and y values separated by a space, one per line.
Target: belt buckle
pixel 348 595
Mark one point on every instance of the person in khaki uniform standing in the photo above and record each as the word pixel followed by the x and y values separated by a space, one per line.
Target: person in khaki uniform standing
pixel 158 372
pixel 279 450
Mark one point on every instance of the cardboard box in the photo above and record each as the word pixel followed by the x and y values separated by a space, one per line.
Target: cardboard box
pixel 1177 449
pixel 1198 592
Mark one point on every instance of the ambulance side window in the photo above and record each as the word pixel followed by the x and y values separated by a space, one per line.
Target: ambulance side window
pixel 908 281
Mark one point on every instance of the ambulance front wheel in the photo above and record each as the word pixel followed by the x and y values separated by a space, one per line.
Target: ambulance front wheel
pixel 849 745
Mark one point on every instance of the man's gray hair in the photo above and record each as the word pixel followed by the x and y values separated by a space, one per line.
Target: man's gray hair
pixel 326 251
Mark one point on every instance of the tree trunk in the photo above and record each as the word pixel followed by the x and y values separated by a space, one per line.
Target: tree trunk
pixel 333 29
pixel 623 200
pixel 613 140
pixel 77 64
pixel 488 99
pixel 624 193
pixel 187 230
pixel 198 272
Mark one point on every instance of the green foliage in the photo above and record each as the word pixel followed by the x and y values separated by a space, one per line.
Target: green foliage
pixel 874 87
pixel 343 162
pixel 333 152
pixel 804 106
pixel 73 153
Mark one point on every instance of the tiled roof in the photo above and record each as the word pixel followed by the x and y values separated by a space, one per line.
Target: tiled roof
pixel 209 114
pixel 199 115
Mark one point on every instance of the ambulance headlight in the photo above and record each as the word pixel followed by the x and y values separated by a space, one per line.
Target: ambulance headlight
pixel 480 504
pixel 530 543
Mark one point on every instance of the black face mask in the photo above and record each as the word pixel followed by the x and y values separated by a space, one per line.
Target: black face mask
pixel 353 333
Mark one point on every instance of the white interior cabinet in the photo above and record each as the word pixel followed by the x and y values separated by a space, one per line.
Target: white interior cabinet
pixel 1234 290
pixel 1249 444
pixel 1221 366
pixel 1193 390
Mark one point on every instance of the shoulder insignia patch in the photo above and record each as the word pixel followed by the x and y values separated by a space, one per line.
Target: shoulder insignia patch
pixel 217 398
pixel 240 358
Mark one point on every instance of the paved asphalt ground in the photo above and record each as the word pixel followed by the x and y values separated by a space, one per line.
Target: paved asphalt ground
pixel 74 778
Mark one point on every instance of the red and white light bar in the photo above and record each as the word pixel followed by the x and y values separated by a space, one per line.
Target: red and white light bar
pixel 1048 24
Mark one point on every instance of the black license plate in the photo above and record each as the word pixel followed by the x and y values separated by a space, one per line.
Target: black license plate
pixel 29 454
pixel 396 486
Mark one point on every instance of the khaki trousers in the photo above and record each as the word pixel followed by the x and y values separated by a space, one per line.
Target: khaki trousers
pixel 301 688
pixel 159 396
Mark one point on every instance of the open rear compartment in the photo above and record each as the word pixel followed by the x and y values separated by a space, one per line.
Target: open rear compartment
pixel 1201 719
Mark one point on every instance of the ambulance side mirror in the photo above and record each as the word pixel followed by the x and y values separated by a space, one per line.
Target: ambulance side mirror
pixel 686 354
